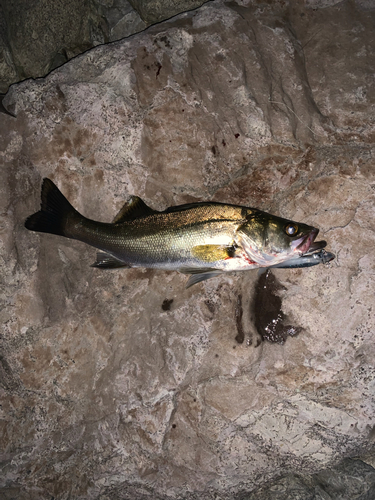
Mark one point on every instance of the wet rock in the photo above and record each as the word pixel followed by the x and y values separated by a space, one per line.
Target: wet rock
pixel 240 337
pixel 166 305
pixel 105 394
pixel 269 318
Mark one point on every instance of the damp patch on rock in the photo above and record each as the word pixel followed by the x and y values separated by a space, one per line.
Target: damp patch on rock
pixel 240 337
pixel 166 305
pixel 270 320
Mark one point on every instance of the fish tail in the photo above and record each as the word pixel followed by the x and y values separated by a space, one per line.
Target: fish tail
pixel 54 211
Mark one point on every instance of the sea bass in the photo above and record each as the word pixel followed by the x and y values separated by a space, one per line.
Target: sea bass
pixel 201 239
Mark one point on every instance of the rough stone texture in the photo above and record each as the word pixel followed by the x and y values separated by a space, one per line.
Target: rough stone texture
pixel 351 479
pixel 38 36
pixel 41 35
pixel 121 20
pixel 153 11
pixel 125 385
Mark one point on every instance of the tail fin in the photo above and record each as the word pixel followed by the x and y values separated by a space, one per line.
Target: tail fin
pixel 55 209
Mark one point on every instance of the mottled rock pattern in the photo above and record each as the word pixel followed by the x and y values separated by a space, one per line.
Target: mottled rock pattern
pixel 153 11
pixel 125 385
pixel 350 479
pixel 38 36
pixel 41 35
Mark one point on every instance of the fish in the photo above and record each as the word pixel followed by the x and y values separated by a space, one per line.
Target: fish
pixel 203 239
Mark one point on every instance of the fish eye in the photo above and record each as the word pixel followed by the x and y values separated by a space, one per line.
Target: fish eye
pixel 291 229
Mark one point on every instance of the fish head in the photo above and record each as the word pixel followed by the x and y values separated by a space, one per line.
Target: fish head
pixel 268 240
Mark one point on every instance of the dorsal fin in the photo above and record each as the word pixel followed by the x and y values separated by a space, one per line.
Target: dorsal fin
pixel 133 209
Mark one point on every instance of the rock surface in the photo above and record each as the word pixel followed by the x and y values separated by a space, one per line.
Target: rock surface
pixel 351 479
pixel 38 36
pixel 154 11
pixel 123 384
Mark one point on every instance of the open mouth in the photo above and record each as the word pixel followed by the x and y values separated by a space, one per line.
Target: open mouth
pixel 307 245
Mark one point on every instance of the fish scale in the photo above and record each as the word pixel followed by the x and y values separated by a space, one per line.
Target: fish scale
pixel 202 239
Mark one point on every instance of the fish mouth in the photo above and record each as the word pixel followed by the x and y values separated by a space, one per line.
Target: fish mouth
pixel 307 244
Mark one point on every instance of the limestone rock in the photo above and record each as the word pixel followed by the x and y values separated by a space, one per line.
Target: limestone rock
pixel 123 384
pixel 36 37
pixel 350 479
pixel 154 11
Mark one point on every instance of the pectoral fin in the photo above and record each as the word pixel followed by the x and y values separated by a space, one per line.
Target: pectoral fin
pixel 106 261
pixel 213 253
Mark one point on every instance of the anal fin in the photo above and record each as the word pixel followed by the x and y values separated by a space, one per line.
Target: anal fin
pixel 106 261
pixel 198 275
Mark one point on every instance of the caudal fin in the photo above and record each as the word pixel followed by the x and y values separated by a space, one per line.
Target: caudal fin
pixel 54 212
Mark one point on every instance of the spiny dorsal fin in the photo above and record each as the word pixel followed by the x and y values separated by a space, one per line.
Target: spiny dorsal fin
pixel 106 261
pixel 133 209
